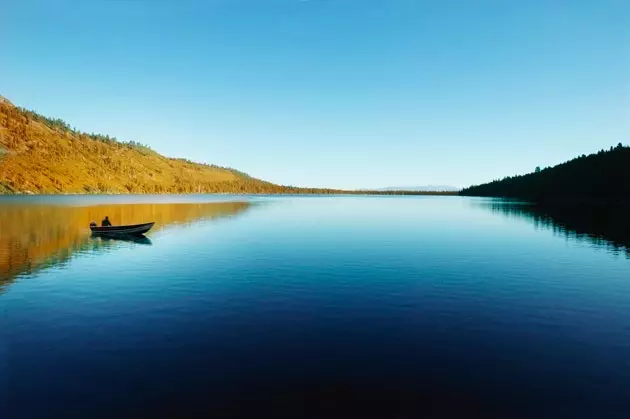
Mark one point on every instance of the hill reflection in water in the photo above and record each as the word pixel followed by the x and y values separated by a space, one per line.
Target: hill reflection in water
pixel 36 236
pixel 606 227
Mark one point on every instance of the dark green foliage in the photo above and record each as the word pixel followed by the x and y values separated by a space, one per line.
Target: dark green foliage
pixel 5 189
pixel 598 178
pixel 54 123
pixel 63 127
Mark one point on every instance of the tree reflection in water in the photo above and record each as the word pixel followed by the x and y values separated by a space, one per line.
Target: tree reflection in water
pixel 605 226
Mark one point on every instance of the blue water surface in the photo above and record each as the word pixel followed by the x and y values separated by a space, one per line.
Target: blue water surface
pixel 323 307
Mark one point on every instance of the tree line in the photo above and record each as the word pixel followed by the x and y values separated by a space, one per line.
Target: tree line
pixel 62 126
pixel 603 177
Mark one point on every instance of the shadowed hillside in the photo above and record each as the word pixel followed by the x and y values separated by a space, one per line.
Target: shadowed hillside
pixel 602 178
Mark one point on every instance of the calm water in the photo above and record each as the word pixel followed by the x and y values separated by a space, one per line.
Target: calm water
pixel 313 307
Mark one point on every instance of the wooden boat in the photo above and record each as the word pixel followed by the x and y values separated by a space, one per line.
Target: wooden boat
pixel 129 230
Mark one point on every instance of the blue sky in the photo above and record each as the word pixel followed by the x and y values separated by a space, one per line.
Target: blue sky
pixel 332 93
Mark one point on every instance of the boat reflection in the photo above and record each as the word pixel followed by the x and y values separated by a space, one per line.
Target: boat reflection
pixel 603 226
pixel 131 239
pixel 38 235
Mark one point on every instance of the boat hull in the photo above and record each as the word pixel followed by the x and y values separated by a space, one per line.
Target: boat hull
pixel 129 230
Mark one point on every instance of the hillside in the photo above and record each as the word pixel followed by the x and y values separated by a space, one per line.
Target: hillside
pixel 598 178
pixel 44 155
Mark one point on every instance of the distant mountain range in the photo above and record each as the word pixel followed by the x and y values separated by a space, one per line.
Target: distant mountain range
pixel 427 188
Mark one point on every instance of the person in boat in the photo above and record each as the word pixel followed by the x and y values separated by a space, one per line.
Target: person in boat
pixel 105 222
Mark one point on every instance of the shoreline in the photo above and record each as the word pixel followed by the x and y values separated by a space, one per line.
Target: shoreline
pixel 323 192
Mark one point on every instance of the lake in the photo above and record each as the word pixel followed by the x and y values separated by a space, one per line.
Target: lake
pixel 262 306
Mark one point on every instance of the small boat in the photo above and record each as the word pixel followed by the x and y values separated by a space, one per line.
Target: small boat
pixel 130 230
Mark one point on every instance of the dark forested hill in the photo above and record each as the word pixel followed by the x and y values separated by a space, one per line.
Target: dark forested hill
pixel 598 178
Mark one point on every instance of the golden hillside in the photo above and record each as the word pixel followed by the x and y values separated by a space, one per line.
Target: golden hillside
pixel 44 155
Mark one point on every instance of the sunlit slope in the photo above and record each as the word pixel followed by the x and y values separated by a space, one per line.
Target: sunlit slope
pixel 43 155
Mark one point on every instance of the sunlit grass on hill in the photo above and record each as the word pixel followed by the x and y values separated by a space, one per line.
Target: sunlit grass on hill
pixel 42 155
pixel 45 155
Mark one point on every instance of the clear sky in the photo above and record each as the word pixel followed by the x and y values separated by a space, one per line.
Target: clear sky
pixel 332 93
